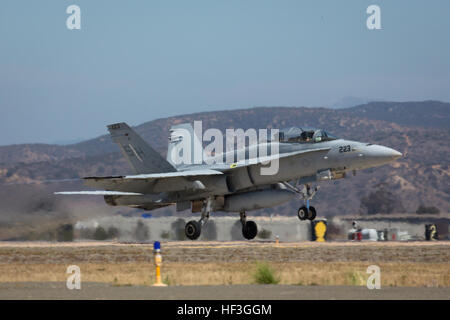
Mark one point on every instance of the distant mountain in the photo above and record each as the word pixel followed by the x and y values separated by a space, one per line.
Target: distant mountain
pixel 424 113
pixel 28 153
pixel 413 114
pixel 420 130
pixel 348 102
pixel 67 142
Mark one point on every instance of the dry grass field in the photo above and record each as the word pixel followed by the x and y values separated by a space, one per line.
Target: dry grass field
pixel 417 264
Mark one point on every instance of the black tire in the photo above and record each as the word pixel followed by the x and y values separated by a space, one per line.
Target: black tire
pixel 302 213
pixel 193 229
pixel 311 213
pixel 250 230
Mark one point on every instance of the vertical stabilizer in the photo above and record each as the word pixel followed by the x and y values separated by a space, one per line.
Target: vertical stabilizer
pixel 142 157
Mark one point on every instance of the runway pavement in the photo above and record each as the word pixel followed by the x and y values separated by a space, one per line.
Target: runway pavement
pixel 90 290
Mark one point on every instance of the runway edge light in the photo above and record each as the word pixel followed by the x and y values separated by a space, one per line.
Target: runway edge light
pixel 158 263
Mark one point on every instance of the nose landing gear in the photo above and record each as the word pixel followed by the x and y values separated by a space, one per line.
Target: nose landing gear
pixel 305 212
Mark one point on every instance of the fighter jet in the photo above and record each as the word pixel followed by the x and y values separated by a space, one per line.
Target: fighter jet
pixel 305 157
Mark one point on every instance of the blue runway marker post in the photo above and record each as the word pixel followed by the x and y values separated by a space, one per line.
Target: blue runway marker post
pixel 158 263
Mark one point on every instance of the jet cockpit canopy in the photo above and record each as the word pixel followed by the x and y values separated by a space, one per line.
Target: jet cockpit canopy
pixel 304 135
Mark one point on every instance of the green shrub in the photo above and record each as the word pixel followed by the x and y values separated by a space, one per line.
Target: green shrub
pixel 265 234
pixel 209 232
pixel 100 234
pixel 427 210
pixel 113 232
pixel 142 232
pixel 236 231
pixel 165 235
pixel 65 232
pixel 383 200
pixel 178 229
pixel 355 279
pixel 264 274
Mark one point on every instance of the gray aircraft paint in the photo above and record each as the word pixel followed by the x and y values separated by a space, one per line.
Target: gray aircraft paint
pixel 141 157
pixel 239 186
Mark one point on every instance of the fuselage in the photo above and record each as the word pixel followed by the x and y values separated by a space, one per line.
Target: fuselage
pixel 246 187
pixel 342 156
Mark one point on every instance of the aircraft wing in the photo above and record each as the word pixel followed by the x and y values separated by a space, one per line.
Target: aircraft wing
pixel 242 174
pixel 264 160
pixel 152 183
pixel 175 181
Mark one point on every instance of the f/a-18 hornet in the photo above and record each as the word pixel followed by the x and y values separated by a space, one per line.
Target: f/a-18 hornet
pixel 304 157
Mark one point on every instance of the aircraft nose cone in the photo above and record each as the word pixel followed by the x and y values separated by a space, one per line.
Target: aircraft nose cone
pixel 381 154
pixel 396 154
pixel 388 153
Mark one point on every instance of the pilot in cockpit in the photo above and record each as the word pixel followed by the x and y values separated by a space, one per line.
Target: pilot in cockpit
pixel 298 135
pixel 306 136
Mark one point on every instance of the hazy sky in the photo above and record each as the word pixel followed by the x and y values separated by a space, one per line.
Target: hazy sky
pixel 135 61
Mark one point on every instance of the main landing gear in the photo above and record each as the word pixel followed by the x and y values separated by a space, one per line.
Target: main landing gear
pixel 305 212
pixel 249 228
pixel 193 228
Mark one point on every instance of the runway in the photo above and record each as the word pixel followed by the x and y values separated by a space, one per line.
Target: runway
pixel 90 290
pixel 226 270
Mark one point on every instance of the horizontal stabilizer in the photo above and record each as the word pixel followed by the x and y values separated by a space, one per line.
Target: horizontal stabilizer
pixel 100 193
pixel 153 182
pixel 151 176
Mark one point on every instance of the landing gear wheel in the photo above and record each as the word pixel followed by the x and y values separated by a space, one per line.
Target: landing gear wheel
pixel 249 230
pixel 302 213
pixel 193 229
pixel 311 213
